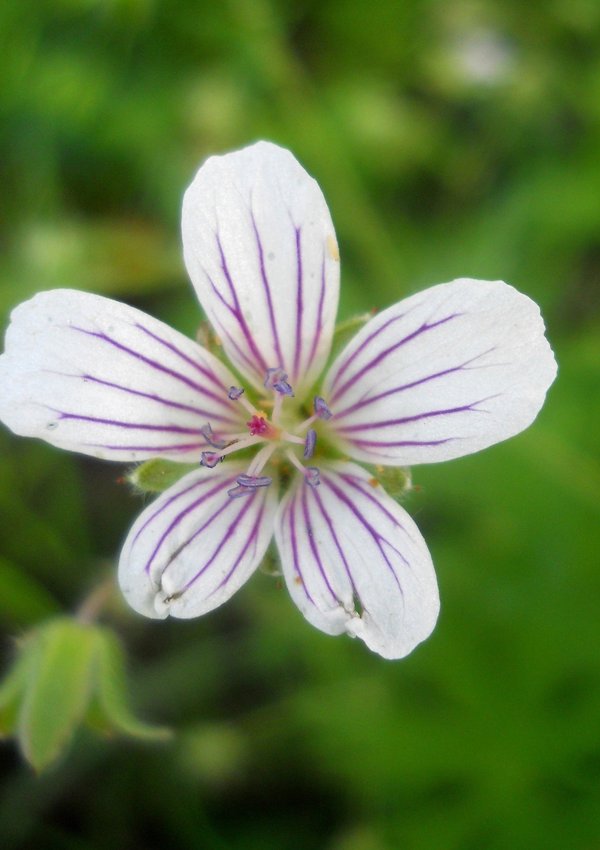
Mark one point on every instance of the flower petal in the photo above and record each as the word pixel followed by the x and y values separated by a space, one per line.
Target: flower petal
pixel 442 374
pixel 260 248
pixel 193 547
pixel 95 376
pixel 355 562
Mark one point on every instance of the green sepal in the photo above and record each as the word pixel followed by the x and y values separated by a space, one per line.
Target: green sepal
pixel 67 673
pixel 345 330
pixel 157 475
pixel 109 711
pixel 11 692
pixel 395 480
pixel 57 687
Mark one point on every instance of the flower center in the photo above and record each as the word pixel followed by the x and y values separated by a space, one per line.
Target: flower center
pixel 270 432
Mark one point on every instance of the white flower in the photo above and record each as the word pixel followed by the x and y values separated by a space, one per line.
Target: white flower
pixel 441 374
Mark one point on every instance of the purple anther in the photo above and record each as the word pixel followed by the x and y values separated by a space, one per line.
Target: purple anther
pixel 322 408
pixel 312 476
pixel 215 442
pixel 274 375
pixel 283 388
pixel 236 492
pixel 210 459
pixel 310 442
pixel 253 480
pixel 234 393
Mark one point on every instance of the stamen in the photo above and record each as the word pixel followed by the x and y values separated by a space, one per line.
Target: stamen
pixel 215 442
pixel 322 408
pixel 238 491
pixel 272 375
pixel 310 443
pixel 311 473
pixel 254 480
pixel 261 459
pixel 303 425
pixel 283 388
pixel 248 484
pixel 276 379
pixel 234 393
pixel 210 459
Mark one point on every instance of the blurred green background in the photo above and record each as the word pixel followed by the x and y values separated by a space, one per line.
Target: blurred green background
pixel 450 137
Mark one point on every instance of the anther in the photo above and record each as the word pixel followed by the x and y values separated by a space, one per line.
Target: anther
pixel 276 379
pixel 210 438
pixel 312 476
pixel 210 459
pixel 322 408
pixel 234 393
pixel 254 480
pixel 247 484
pixel 309 443
pixel 238 491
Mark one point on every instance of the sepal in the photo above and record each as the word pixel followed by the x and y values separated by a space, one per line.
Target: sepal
pixel 66 674
pixel 157 475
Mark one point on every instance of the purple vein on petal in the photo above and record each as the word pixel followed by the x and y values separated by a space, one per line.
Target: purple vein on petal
pixel 199 367
pixel 356 484
pixel 117 423
pixel 224 333
pixel 316 338
pixel 373 335
pixel 176 405
pixel 365 401
pixel 377 538
pixel 267 290
pixel 404 420
pixel 203 482
pixel 226 538
pixel 236 310
pixel 299 302
pixel 375 361
pixel 178 376
pixel 402 443
pixel 177 447
pixel 291 516
pixel 313 548
pixel 336 542
pixel 251 539
pixel 176 521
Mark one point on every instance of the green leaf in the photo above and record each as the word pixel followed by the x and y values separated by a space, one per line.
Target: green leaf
pixel 156 475
pixel 11 691
pixel 57 689
pixel 110 710
pixel 22 599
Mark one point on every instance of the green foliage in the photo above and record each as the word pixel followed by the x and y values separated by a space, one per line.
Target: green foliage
pixel 66 672
pixel 449 139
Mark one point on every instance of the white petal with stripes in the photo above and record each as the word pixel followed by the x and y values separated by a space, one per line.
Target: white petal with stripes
pixel 193 547
pixel 96 376
pixel 354 561
pixel 260 248
pixel 444 373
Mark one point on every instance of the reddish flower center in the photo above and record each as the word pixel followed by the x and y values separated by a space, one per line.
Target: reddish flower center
pixel 259 426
